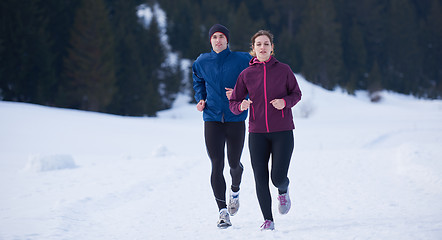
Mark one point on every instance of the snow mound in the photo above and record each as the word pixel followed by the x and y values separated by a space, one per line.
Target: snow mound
pixel 43 163
pixel 161 151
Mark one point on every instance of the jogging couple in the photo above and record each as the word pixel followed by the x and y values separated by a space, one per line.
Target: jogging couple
pixel 228 85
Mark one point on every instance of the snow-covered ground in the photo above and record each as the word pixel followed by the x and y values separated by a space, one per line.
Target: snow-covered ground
pixel 359 171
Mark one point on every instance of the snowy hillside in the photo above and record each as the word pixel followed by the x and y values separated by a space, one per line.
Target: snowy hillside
pixel 359 171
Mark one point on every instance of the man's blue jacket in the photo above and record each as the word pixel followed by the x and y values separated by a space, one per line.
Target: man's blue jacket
pixel 212 73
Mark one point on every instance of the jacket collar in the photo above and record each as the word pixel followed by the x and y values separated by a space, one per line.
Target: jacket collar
pixel 224 53
pixel 255 61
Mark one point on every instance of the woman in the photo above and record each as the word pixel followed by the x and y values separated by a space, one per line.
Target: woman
pixel 214 76
pixel 273 91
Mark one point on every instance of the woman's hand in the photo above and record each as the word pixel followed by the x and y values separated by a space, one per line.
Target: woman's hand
pixel 201 105
pixel 229 92
pixel 245 104
pixel 278 103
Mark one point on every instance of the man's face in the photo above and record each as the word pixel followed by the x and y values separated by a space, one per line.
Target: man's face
pixel 219 42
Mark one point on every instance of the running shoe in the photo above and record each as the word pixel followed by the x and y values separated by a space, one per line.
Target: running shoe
pixel 224 219
pixel 284 203
pixel 233 205
pixel 268 225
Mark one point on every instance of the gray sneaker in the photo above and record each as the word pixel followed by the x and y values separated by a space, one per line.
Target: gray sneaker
pixel 224 219
pixel 284 203
pixel 268 225
pixel 233 203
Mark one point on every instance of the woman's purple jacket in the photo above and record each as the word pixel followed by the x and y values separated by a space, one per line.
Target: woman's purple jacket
pixel 263 82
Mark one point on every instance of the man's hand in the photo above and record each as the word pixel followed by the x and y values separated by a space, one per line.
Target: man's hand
pixel 229 92
pixel 201 105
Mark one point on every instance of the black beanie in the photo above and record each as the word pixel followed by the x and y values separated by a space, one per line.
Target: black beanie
pixel 219 28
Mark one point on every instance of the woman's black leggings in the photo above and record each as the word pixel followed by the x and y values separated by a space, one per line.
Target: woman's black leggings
pixel 261 145
pixel 217 135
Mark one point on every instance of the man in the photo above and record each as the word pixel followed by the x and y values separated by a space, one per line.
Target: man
pixel 214 77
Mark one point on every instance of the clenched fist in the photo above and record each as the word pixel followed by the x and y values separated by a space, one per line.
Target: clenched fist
pixel 278 103
pixel 245 104
pixel 201 105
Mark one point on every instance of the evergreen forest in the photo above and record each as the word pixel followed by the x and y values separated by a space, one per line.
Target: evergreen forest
pixel 99 55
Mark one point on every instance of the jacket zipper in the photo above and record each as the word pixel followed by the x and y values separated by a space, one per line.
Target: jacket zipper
pixel 265 96
pixel 253 112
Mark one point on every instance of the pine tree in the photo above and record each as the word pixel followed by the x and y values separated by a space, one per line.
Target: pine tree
pixel 152 62
pixel 404 60
pixel 287 50
pixel 355 57
pixel 216 11
pixel 131 72
pixel 146 84
pixel 185 36
pixel 374 83
pixel 281 16
pixel 320 41
pixel 199 41
pixel 165 77
pixel 284 19
pixel 431 40
pixel 240 34
pixel 2 74
pixel 90 64
pixel 60 15
pixel 372 17
pixel 26 59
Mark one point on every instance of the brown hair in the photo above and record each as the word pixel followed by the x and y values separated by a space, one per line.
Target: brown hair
pixel 257 34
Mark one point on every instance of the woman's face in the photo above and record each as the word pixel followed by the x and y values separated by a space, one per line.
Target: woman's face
pixel 219 42
pixel 263 48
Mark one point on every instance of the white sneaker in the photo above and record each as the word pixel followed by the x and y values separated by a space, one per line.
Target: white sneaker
pixel 233 205
pixel 224 219
pixel 268 225
pixel 284 203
